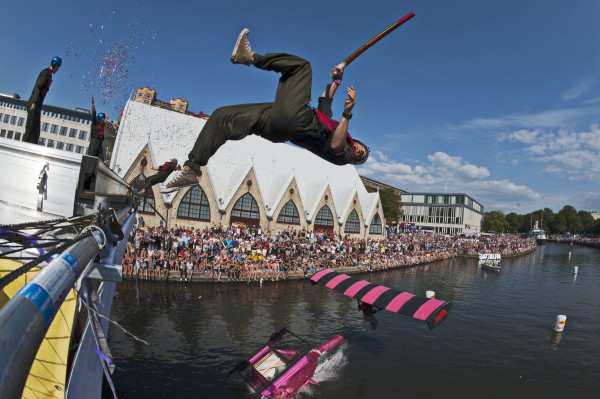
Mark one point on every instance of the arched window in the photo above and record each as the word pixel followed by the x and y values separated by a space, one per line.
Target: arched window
pixel 245 211
pixel 352 223
pixel 375 227
pixel 147 203
pixel 289 214
pixel 194 205
pixel 324 219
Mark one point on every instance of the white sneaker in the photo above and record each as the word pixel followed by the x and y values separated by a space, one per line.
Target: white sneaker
pixel 186 177
pixel 242 52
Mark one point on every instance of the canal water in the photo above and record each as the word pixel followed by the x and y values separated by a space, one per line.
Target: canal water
pixel 497 341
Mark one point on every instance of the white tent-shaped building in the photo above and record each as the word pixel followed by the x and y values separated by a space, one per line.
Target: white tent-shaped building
pixel 252 181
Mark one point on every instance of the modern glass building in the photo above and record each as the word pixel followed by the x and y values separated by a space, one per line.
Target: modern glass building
pixel 61 128
pixel 445 213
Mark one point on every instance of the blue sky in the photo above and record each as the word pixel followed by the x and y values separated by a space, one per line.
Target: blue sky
pixel 500 100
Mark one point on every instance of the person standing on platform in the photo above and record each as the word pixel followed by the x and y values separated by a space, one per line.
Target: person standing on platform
pixel 34 105
pixel 97 133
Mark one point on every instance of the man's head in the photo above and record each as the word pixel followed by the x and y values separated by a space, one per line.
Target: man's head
pixel 55 64
pixel 174 161
pixel 360 152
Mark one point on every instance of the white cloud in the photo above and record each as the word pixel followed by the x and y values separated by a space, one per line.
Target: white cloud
pixel 473 172
pixel 545 119
pixel 523 136
pixel 443 160
pixel 578 89
pixel 589 201
pixel 565 153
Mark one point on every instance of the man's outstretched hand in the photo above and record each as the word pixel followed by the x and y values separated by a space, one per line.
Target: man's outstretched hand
pixel 350 99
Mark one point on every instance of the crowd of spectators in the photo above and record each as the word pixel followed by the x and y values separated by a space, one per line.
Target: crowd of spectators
pixel 577 239
pixel 242 253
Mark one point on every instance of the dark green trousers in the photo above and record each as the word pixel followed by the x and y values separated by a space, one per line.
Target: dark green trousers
pixel 33 124
pixel 289 117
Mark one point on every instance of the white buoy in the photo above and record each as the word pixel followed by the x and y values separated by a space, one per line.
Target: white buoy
pixel 430 294
pixel 561 320
pixel 575 269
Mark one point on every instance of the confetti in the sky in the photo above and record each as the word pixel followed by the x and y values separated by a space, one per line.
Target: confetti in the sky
pixel 108 53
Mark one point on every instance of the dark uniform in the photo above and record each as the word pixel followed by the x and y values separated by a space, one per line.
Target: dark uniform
pixel 96 136
pixel 32 126
pixel 288 118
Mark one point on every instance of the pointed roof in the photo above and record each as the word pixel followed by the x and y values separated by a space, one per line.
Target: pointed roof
pixel 172 134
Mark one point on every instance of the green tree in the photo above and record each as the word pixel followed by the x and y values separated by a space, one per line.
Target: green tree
pixel 574 225
pixel 595 228
pixel 391 203
pixel 547 219
pixel 587 221
pixel 514 222
pixel 536 217
pixel 559 225
pixel 494 222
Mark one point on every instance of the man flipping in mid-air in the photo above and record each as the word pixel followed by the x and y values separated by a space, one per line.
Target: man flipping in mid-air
pixel 288 118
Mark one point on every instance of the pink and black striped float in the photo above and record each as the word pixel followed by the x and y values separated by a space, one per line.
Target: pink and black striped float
pixel 431 310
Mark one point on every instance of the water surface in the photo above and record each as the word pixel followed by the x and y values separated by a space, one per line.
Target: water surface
pixel 496 343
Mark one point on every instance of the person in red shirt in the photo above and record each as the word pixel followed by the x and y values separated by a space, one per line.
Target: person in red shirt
pixel 288 118
pixel 163 173
pixel 97 133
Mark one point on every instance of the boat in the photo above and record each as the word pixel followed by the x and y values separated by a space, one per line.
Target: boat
pixel 495 266
pixel 491 262
pixel 285 364
pixel 63 220
pixel 538 234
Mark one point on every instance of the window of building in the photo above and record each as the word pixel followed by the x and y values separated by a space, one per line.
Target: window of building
pixel 53 128
pixel 42 141
pixel 324 219
pixel 194 205
pixel 147 203
pixel 60 145
pixel 18 136
pixel 63 131
pixel 82 135
pixel 50 144
pixel 1 115
pixel 73 132
pixel 352 223
pixel 375 227
pixel 69 147
pixel 79 149
pixel 13 120
pixel 21 121
pixel 245 210
pixel 45 126
pixel 6 118
pixel 3 133
pixel 289 214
